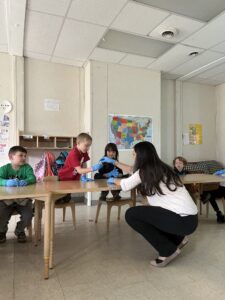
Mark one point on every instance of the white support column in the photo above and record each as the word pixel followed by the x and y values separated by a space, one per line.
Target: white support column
pixel 179 117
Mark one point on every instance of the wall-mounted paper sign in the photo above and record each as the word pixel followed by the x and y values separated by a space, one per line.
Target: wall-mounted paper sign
pixel 51 105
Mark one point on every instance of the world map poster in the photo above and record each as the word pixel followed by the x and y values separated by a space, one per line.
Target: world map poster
pixel 126 131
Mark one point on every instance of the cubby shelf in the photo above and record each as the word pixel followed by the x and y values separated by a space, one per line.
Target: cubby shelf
pixel 44 142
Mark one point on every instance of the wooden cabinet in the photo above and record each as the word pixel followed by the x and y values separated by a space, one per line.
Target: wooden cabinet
pixel 36 142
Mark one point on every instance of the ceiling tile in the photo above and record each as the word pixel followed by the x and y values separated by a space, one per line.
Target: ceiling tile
pixel 212 72
pixel 71 62
pixel 203 10
pixel 41 32
pixel 210 35
pixel 138 18
pixel 174 57
pixel 197 62
pixel 133 44
pixel 35 55
pixel 220 77
pixel 195 80
pixel 212 81
pixel 3 33
pixel 220 47
pixel 185 27
pixel 55 7
pixel 96 11
pixel 106 55
pixel 136 61
pixel 78 39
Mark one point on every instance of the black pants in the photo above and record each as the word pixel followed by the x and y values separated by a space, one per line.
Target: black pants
pixel 162 228
pixel 219 193
pixel 6 211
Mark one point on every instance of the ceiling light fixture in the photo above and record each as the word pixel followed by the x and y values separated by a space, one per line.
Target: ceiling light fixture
pixel 193 54
pixel 169 33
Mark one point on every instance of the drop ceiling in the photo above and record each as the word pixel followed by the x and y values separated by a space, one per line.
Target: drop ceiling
pixel 124 32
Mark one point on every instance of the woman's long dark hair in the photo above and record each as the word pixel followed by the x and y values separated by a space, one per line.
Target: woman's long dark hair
pixel 112 147
pixel 153 171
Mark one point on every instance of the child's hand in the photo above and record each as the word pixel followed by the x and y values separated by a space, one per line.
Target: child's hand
pixel 83 178
pixel 108 160
pixel 11 182
pixel 22 183
pixel 96 167
pixel 111 180
pixel 113 173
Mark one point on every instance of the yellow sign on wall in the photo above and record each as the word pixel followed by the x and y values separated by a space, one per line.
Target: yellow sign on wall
pixel 195 134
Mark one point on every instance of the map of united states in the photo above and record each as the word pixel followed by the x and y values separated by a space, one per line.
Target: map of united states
pixel 125 132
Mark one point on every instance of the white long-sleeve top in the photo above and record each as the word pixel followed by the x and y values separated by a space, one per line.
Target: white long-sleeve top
pixel 178 201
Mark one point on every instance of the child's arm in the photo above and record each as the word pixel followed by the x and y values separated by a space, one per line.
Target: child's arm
pixel 29 175
pixel 124 167
pixel 82 171
pixel 4 181
pixel 128 183
pixel 3 176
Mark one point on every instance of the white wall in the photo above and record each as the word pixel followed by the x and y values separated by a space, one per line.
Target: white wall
pixel 123 90
pixel 44 80
pixel 199 106
pixel 184 103
pixel 12 88
pixel 168 117
pixel 220 123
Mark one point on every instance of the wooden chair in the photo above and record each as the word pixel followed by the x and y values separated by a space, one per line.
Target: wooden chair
pixel 39 206
pixel 119 203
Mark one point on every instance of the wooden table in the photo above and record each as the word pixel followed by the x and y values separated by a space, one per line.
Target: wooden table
pixel 72 187
pixel 202 179
pixel 48 192
pixel 34 191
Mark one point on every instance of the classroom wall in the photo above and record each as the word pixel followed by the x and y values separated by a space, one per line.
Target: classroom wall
pixel 123 90
pixel 199 106
pixel 168 118
pixel 184 103
pixel 220 123
pixel 45 80
pixel 12 89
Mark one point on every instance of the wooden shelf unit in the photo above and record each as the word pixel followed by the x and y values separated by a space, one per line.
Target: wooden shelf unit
pixel 44 142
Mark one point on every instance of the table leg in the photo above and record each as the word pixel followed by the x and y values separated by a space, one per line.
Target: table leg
pixel 133 196
pixel 36 221
pixel 47 235
pixel 52 234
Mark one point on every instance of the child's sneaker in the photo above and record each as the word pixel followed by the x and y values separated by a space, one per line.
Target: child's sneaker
pixel 21 237
pixel 220 217
pixel 102 198
pixel 2 237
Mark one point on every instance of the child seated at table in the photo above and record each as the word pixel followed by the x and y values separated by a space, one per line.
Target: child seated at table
pixel 109 170
pixel 179 163
pixel 16 174
pixel 75 164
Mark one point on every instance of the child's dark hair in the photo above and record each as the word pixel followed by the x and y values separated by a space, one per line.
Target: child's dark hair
pixel 180 158
pixel 153 171
pixel 112 147
pixel 15 149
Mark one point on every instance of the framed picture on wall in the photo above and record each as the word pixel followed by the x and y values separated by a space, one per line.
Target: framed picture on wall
pixel 126 131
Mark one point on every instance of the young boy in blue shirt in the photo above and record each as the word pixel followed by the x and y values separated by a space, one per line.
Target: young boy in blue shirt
pixel 16 174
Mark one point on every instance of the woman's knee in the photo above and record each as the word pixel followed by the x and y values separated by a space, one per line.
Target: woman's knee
pixel 131 214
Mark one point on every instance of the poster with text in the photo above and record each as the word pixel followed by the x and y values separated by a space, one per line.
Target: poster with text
pixel 195 134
